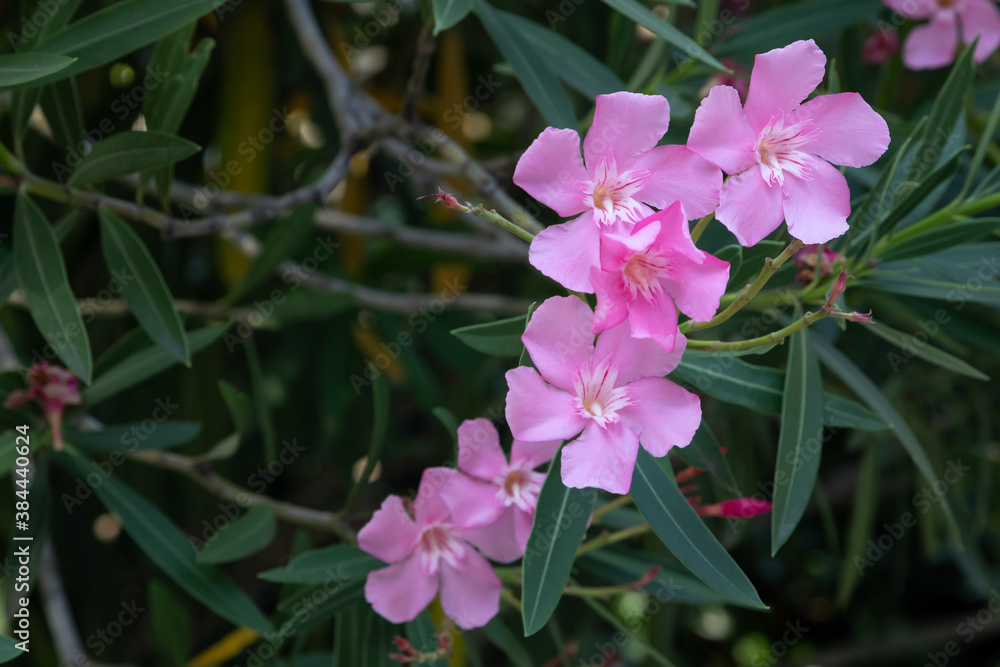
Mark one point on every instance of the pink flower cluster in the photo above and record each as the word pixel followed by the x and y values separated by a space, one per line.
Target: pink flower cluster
pixel 597 381
pixel 54 388
pixel 934 44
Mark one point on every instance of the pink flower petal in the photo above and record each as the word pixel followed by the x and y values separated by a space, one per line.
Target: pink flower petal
pixel 537 411
pixel 566 252
pixel 781 79
pixel 932 45
pixel 982 18
pixel 498 540
pixel 401 591
pixel 913 9
pixel 534 453
pixel 552 171
pixel 479 452
pixel 675 234
pixel 698 292
pixel 816 210
pixel 634 357
pixel 391 534
pixel 750 208
pixel 850 132
pixel 473 503
pixel 663 414
pixel 654 321
pixel 625 125
pixel 429 506
pixel 612 299
pixel 470 591
pixel 601 458
pixel 680 175
pixel 522 527
pixel 559 339
pixel 721 132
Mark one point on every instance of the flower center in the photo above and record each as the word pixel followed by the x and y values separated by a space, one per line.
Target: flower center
pixel 436 543
pixel 778 150
pixel 612 195
pixel 642 273
pixel 519 487
pixel 597 397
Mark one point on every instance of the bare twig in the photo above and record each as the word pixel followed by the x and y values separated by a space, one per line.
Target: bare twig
pixel 421 63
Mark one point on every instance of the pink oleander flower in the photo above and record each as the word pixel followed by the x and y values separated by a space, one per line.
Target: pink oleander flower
pixel 879 47
pixel 933 45
pixel 612 394
pixel 54 388
pixel 738 508
pixel 621 175
pixel 646 275
pixel 495 499
pixel 427 553
pixel 778 151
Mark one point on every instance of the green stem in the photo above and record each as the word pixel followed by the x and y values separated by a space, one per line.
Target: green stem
pixel 749 292
pixel 773 338
pixel 597 591
pixel 10 163
pixel 700 227
pixel 498 220
pixel 620 501
pixel 611 538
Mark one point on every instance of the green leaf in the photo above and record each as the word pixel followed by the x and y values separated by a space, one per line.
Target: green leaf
pixel 777 27
pixel 169 548
pixel 560 522
pixel 18 68
pixel 705 453
pixel 683 532
pixel 644 17
pixel 240 407
pixel 171 623
pixel 245 536
pixel 61 103
pixel 913 346
pixel 505 640
pixel 449 12
pixel 940 238
pixel 123 27
pixel 862 523
pixel 500 339
pixel 800 441
pixel 539 82
pixel 125 153
pixel 337 562
pixel 753 262
pixel 380 396
pixel 22 105
pixel 637 637
pixel 41 274
pixel 734 255
pixel 146 293
pixel 853 377
pixel 148 434
pixel 574 65
pixel 760 388
pixel 917 192
pixel 909 284
pixel 8 649
pixel 145 364
pixel 281 242
pixel 362 637
pixel 8 276
pixel 420 631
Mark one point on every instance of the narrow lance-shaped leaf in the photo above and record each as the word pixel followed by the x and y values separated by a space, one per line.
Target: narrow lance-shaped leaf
pixel 118 29
pixel 539 82
pixel 245 536
pixel 646 18
pixel 705 453
pixel 685 534
pixel 862 522
pixel 133 437
pixel 18 68
pixel 339 562
pixel 421 633
pixel 41 274
pixel 501 338
pixel 169 548
pixel 125 153
pixel 835 360
pixel 560 522
pixel 911 345
pixel 9 649
pixel 143 287
pixel 800 441
pixel 380 397
pixel 449 12
pixel 61 104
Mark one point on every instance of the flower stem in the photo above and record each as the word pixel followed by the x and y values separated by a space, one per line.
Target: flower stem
pixel 773 338
pixel 620 501
pixel 700 227
pixel 500 222
pixel 749 292
pixel 605 539
pixel 510 599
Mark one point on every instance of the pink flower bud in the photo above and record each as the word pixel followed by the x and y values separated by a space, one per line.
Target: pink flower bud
pixel 742 508
pixel 879 47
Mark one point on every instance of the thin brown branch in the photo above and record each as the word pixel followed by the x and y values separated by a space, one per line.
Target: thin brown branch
pixel 421 64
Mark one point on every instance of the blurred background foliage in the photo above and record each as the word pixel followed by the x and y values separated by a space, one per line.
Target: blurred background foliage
pixel 296 371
